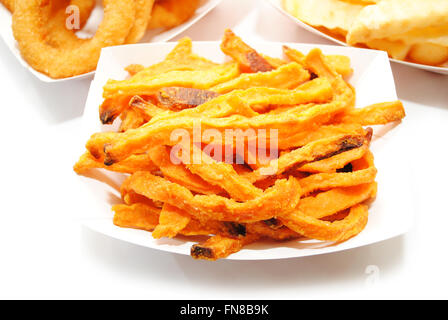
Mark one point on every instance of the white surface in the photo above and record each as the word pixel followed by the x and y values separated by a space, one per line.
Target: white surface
pixel 391 215
pixel 158 35
pixel 278 5
pixel 45 253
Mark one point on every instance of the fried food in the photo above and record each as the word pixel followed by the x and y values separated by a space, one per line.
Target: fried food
pixel 67 62
pixel 52 47
pixel 334 15
pixel 9 4
pixel 410 30
pixel 429 53
pixel 171 13
pixel 141 21
pixel 313 176
pixel 248 59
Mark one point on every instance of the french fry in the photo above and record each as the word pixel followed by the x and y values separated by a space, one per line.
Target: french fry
pixel 171 221
pixel 287 76
pixel 248 59
pixel 218 247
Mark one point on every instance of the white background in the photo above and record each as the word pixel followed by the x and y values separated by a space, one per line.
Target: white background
pixel 46 253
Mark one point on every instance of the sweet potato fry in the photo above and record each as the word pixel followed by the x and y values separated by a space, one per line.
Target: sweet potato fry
pixel 159 132
pixel 132 164
pixel 282 197
pixel 199 79
pixel 315 151
pixel 223 175
pixel 380 113
pixel 248 59
pixel 325 181
pixel 178 98
pixel 171 221
pixel 337 231
pixel 336 162
pixel 316 63
pixel 287 76
pixel 341 64
pixel 136 216
pixel 177 173
pixel 327 203
pixel 287 158
pixel 218 247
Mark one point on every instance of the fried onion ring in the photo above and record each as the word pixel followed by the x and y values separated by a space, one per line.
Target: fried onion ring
pixel 68 61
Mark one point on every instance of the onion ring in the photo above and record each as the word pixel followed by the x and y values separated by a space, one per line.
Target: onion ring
pixel 67 61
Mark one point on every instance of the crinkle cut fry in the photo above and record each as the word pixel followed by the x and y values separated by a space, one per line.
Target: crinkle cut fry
pixel 219 247
pixel 282 197
pixel 159 132
pixel 248 59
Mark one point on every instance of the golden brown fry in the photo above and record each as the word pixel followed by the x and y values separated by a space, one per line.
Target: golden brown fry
pixel 248 59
